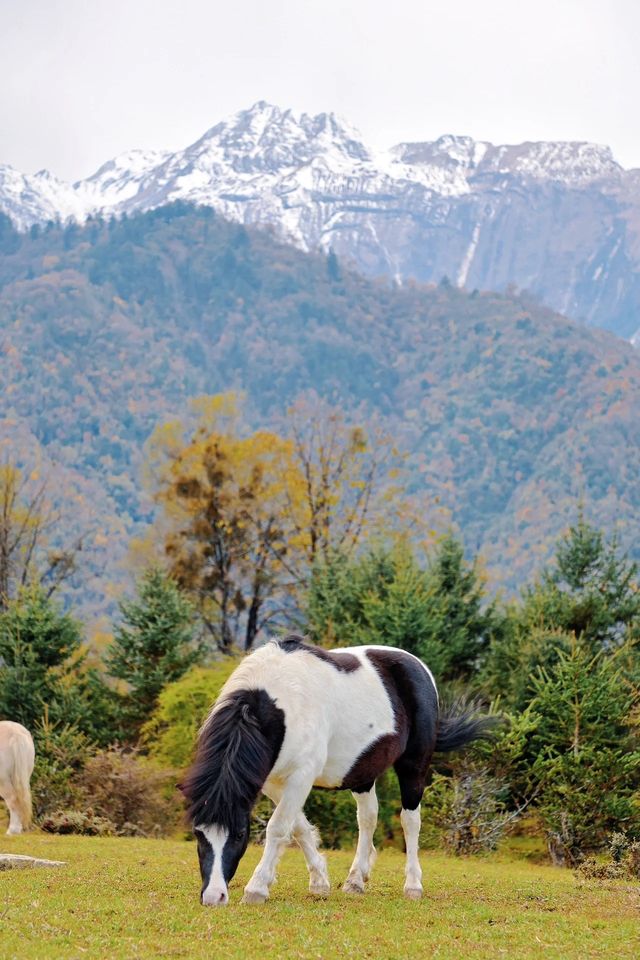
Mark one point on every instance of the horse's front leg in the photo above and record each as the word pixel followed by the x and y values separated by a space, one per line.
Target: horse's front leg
pixel 279 830
pixel 365 851
pixel 307 838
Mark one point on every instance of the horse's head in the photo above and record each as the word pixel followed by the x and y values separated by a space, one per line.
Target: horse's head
pixel 232 761
pixel 220 850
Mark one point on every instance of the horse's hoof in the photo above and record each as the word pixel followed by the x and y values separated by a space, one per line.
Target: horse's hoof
pixel 321 889
pixel 252 896
pixel 353 886
pixel 413 893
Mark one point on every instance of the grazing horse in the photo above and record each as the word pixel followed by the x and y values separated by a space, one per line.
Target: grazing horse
pixel 293 716
pixel 17 756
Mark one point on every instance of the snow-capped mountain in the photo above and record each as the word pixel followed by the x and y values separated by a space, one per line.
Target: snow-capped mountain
pixel 560 219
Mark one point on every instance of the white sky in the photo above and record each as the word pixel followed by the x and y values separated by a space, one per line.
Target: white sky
pixel 83 80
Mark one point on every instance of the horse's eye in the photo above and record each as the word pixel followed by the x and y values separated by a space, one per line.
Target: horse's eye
pixel 239 834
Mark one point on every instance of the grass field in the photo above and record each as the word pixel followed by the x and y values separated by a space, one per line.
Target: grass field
pixel 121 898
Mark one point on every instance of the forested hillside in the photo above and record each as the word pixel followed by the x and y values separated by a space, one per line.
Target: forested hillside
pixel 510 414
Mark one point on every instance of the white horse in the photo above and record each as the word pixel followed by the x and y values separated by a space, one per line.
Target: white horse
pixel 293 716
pixel 17 756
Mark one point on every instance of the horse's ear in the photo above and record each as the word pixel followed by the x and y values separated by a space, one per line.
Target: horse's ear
pixel 247 715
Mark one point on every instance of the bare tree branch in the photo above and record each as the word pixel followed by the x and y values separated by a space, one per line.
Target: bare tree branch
pixel 26 520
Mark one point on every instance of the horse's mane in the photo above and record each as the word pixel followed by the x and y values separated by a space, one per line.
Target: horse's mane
pixel 233 760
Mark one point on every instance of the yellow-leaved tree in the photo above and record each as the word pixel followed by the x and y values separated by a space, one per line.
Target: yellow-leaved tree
pixel 246 515
pixel 227 505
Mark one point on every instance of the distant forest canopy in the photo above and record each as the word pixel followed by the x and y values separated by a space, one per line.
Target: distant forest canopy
pixel 510 415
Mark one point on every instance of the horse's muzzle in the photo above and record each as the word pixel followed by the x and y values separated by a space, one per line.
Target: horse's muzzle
pixel 214 897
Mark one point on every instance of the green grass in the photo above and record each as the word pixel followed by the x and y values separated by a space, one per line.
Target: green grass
pixel 121 898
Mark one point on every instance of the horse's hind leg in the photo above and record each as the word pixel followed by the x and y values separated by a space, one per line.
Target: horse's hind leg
pixel 410 820
pixel 365 851
pixel 15 823
pixel 411 790
pixel 306 837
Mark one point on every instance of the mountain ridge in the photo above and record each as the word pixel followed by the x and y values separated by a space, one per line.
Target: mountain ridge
pixel 561 219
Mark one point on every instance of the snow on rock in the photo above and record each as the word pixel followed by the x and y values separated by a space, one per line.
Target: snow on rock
pixel 574 164
pixel 283 160
pixel 118 180
pixel 37 198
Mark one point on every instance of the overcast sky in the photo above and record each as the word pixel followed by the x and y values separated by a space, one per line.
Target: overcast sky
pixel 83 80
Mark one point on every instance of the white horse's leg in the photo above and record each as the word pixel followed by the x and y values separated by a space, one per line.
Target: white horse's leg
pixel 410 820
pixel 15 823
pixel 307 838
pixel 279 830
pixel 365 851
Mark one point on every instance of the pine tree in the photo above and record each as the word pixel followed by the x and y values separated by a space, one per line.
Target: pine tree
pixel 338 588
pixel 26 687
pixel 466 622
pixel 591 591
pixel 153 646
pixel 42 668
pixel 407 615
pixel 586 754
pixel 514 658
pixel 385 597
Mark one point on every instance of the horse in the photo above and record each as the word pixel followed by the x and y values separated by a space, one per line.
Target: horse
pixel 293 716
pixel 17 756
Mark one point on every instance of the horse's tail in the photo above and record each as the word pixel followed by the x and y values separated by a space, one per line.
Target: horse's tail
pixel 461 723
pixel 21 770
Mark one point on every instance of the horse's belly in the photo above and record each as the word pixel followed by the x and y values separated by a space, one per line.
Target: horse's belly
pixel 344 752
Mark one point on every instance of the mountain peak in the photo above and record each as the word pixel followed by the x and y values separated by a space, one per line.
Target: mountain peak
pixel 266 135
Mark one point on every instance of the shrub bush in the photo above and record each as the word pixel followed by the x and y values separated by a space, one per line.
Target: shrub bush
pixel 61 752
pixel 77 821
pixel 170 734
pixel 623 861
pixel 477 817
pixel 130 793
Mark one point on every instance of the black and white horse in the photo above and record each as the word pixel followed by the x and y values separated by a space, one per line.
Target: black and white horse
pixel 293 716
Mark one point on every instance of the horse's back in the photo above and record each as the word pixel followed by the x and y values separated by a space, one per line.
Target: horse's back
pixel 12 727
pixel 11 731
